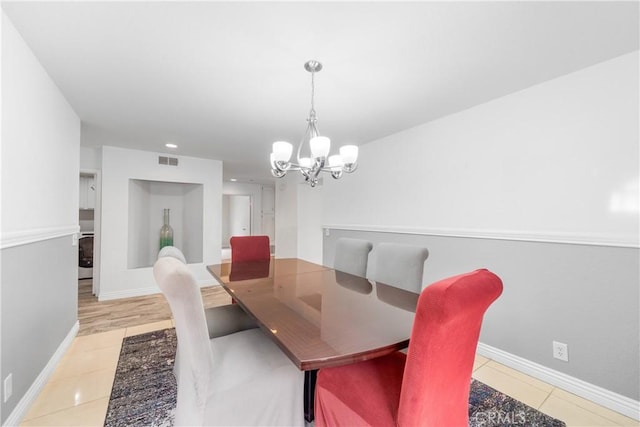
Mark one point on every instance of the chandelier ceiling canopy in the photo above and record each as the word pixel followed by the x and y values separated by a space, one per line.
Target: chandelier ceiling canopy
pixel 313 151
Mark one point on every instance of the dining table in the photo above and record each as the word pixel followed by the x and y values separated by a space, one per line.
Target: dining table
pixel 318 316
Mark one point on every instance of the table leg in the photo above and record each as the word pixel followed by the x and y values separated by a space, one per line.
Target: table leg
pixel 309 393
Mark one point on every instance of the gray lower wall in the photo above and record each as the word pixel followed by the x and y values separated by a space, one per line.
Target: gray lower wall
pixel 39 308
pixel 585 296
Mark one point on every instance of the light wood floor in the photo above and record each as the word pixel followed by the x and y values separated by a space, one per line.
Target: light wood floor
pixel 102 316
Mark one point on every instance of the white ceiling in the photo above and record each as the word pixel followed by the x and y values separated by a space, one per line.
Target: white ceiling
pixel 224 80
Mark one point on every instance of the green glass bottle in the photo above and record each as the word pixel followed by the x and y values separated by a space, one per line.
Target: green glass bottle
pixel 166 232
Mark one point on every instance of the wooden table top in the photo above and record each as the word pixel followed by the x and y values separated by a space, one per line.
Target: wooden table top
pixel 318 316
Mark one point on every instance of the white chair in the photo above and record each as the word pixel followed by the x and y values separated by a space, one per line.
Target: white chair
pixel 236 378
pixel 172 251
pixel 400 266
pixel 351 256
pixel 220 320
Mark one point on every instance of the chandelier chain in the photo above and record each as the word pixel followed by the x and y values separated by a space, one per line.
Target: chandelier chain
pixel 313 91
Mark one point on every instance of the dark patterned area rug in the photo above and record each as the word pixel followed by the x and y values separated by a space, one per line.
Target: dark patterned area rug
pixel 144 390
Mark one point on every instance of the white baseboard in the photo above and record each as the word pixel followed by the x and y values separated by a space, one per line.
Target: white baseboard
pixel 594 393
pixel 32 393
pixel 139 292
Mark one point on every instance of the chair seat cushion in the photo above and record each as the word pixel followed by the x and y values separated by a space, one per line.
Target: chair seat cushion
pixel 250 381
pixel 365 393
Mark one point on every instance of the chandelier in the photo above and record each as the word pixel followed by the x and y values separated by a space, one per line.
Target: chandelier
pixel 313 151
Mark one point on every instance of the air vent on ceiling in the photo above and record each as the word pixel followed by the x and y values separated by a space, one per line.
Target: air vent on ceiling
pixel 171 161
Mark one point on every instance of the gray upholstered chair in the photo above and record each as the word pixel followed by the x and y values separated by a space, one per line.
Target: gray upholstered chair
pixel 399 265
pixel 237 378
pixel 351 256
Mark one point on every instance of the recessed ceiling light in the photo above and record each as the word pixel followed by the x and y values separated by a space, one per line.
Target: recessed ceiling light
pixel 233 180
pixel 170 145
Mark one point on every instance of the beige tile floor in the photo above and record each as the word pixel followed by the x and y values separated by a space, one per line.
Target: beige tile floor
pixel 78 392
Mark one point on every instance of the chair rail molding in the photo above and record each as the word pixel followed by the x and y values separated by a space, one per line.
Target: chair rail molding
pixel 591 239
pixel 23 237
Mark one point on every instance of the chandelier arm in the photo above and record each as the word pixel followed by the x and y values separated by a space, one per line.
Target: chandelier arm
pixel 350 168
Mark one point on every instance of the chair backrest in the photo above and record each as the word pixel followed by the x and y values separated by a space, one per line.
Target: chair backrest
pixel 352 256
pixel 249 270
pixel 172 251
pixel 400 266
pixel 249 248
pixel 196 360
pixel 437 376
pixel 355 283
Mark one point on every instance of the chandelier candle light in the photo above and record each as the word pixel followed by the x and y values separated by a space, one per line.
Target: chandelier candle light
pixel 313 152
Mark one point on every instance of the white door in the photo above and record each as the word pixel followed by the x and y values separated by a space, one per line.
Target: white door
pixel 240 215
pixel 269 213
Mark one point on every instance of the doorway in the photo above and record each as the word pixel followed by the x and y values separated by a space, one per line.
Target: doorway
pixel 89 237
pixel 236 216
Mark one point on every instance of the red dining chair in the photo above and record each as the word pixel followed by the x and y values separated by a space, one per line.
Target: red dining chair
pixel 430 385
pixel 249 248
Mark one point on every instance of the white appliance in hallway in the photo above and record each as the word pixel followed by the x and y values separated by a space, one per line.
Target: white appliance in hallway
pixel 85 255
pixel 87 204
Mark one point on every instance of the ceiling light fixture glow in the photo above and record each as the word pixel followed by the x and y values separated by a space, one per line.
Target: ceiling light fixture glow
pixel 170 145
pixel 313 150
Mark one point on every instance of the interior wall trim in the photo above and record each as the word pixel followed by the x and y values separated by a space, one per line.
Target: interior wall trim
pixel 594 393
pixel 139 292
pixel 522 236
pixel 18 413
pixel 24 237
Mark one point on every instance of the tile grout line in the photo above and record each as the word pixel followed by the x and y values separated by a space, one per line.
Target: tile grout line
pixel 545 399
pixel 599 415
pixel 507 373
pixel 26 420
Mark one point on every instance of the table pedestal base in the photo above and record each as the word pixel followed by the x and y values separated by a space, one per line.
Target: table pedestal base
pixel 309 393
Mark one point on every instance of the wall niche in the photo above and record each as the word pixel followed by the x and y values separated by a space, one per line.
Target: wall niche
pixel 147 201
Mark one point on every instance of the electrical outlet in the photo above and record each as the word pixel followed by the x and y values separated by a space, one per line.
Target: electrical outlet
pixel 560 351
pixel 8 387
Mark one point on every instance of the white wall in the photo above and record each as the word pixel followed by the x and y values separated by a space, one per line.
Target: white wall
pixel 540 186
pixel 90 158
pixel 118 167
pixel 299 214
pixel 39 215
pixel 310 213
pixel 40 144
pixel 558 160
pixel 287 216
